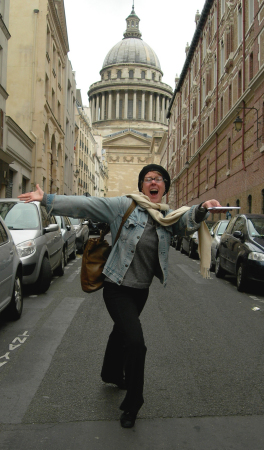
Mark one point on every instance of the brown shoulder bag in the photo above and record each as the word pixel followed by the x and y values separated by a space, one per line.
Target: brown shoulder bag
pixel 95 256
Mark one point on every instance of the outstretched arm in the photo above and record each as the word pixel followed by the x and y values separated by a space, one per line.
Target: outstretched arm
pixel 37 195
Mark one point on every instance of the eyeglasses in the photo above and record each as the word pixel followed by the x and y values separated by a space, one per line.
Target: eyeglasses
pixel 150 179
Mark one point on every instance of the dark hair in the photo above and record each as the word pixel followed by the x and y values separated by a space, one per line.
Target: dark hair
pixel 154 168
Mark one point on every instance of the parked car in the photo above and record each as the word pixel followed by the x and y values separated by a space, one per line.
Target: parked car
pixel 82 233
pixel 189 245
pixel 69 237
pixel 241 250
pixel 11 295
pixel 216 232
pixel 95 227
pixel 38 240
pixel 177 242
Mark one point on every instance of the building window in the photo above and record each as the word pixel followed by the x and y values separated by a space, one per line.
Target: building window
pixel 221 108
pixel 153 76
pixel 250 12
pixel 130 109
pixel 262 209
pixel 119 74
pixel 238 203
pixel 143 75
pixel 139 109
pixel 109 75
pixel 249 204
pixel 230 96
pixel 131 74
pixel 1 128
pixel 222 56
pixel 239 84
pixel 229 153
pixel 251 67
pixel 215 70
pixel 239 25
pixel 222 7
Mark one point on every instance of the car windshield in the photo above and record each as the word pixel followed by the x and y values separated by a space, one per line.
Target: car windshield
pixel 74 221
pixel 256 227
pixel 20 216
pixel 222 228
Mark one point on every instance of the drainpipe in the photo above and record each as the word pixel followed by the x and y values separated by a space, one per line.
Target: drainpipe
pixel 33 81
pixel 217 88
pixel 244 83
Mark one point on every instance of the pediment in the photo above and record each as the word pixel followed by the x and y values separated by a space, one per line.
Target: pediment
pixel 127 139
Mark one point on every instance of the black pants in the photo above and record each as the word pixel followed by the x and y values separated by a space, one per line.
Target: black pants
pixel 125 352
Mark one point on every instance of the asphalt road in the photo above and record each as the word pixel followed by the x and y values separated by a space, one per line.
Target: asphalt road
pixel 204 385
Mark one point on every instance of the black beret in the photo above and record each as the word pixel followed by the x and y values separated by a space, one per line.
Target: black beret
pixel 154 168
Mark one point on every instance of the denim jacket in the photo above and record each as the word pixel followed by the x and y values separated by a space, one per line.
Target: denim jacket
pixel 111 210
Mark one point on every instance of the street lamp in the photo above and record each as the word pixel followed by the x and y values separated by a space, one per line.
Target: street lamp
pixel 187 164
pixel 238 122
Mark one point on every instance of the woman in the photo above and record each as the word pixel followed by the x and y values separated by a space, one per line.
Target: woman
pixel 140 253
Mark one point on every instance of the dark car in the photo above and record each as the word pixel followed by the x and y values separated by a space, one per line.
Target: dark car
pixel 96 227
pixel 241 249
pixel 189 244
pixel 216 232
pixel 82 233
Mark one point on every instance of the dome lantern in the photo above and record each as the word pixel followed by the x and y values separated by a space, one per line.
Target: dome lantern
pixel 132 30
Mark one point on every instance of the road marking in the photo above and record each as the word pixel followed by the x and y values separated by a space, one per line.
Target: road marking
pixel 73 275
pixel 36 357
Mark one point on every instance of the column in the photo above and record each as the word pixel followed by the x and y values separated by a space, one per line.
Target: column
pixel 109 105
pixel 150 106
pixel 94 105
pixel 102 115
pixel 158 108
pixel 97 108
pixel 163 109
pixel 126 104
pixel 117 104
pixel 135 105
pixel 143 105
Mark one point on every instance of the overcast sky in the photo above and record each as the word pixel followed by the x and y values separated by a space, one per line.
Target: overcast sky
pixel 95 26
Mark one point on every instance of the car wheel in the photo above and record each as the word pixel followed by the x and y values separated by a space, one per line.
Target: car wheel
pixel 191 251
pixel 60 269
pixel 73 254
pixel 45 276
pixel 181 248
pixel 82 248
pixel 65 256
pixel 219 271
pixel 241 277
pixel 15 307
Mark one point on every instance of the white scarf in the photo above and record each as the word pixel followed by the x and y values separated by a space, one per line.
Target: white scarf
pixel 205 240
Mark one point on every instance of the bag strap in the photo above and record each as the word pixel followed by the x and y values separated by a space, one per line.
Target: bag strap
pixel 126 215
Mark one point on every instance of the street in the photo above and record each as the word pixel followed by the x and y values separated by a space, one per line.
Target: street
pixel 204 385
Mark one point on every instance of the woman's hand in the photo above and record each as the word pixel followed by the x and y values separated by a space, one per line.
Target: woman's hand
pixel 213 203
pixel 35 196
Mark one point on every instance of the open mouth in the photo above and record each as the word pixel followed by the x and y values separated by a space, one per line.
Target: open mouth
pixel 154 192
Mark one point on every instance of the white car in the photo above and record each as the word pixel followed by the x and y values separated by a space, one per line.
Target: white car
pixel 216 232
pixel 38 240
pixel 11 296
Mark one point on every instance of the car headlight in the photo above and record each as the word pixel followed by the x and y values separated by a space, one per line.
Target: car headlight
pixel 26 248
pixel 256 256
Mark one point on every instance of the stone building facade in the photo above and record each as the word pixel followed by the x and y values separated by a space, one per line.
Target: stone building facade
pixel 37 61
pixel 129 107
pixel 222 79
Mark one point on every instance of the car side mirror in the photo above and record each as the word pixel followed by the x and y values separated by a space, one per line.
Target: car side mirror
pixel 68 227
pixel 212 233
pixel 85 222
pixel 238 234
pixel 50 228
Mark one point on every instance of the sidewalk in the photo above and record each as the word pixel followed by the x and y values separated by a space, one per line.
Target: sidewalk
pixel 217 433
